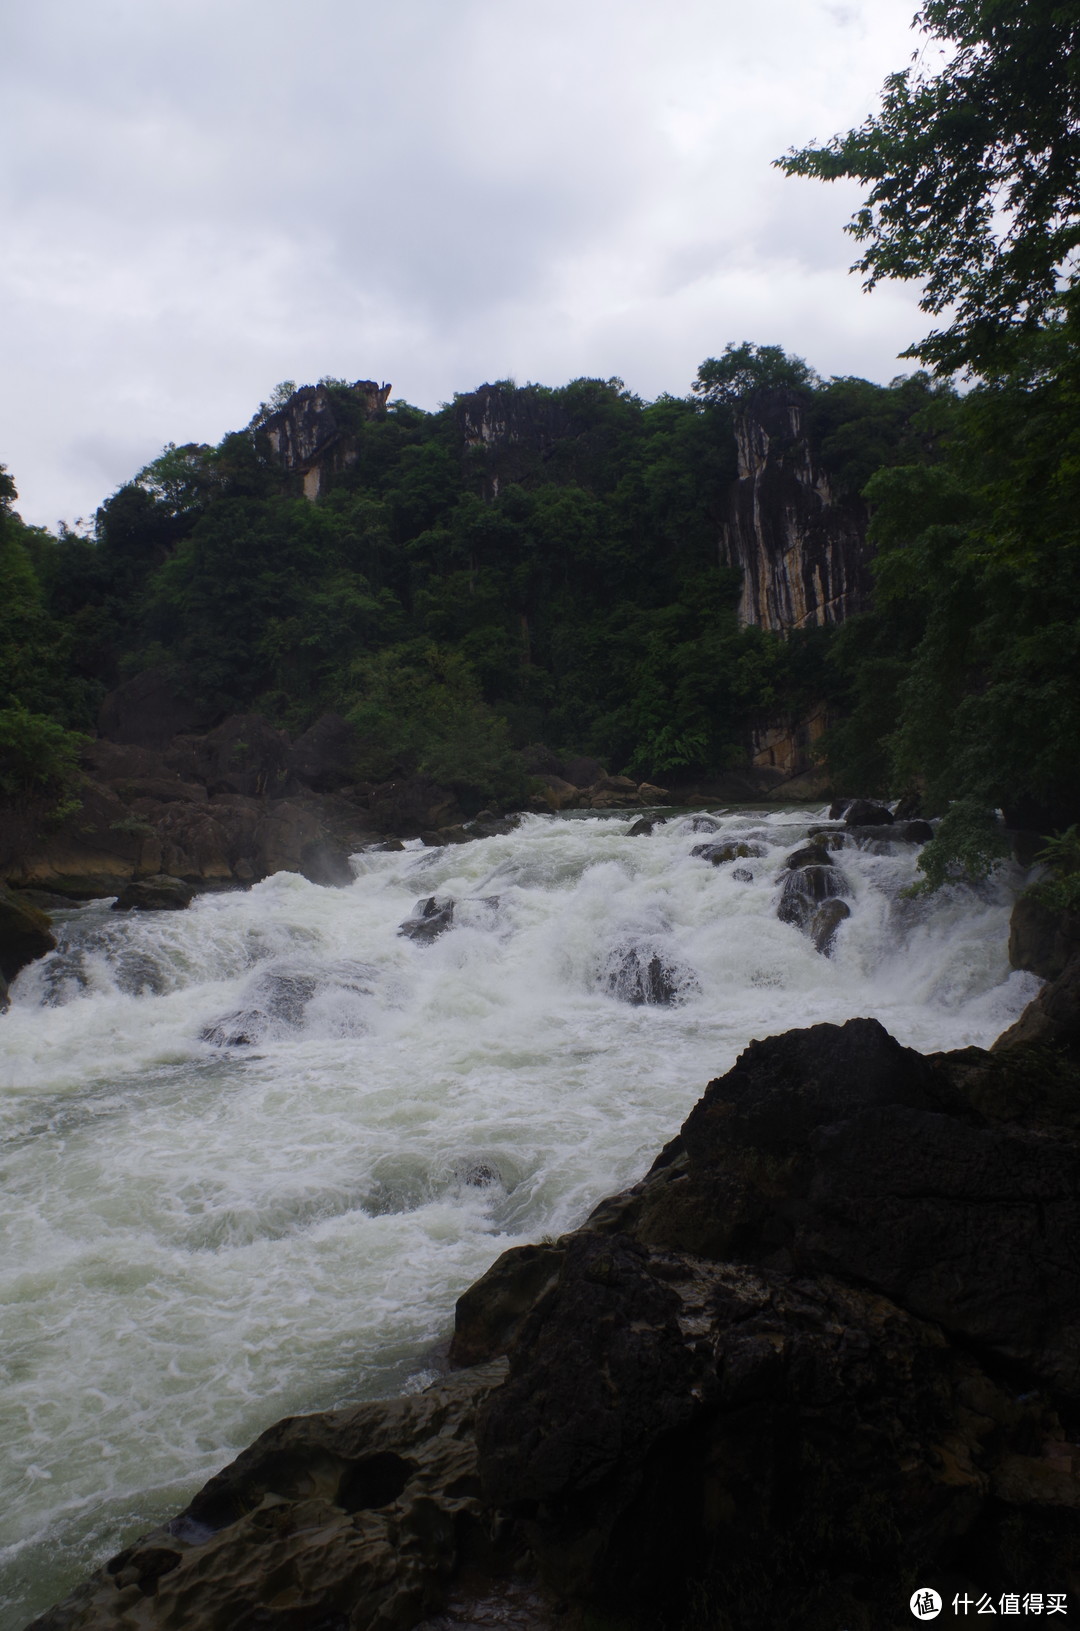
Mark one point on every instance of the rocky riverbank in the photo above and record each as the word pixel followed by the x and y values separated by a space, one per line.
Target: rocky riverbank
pixel 161 810
pixel 823 1353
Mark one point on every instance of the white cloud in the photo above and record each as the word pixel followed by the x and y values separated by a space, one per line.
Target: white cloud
pixel 203 198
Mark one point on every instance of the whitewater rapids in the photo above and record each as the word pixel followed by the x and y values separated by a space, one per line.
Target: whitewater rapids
pixel 204 1233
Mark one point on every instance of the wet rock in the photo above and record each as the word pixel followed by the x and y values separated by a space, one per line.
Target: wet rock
pixel 445 836
pixel 649 793
pixel 835 1150
pixel 490 1313
pixel 160 894
pixel 312 835
pixel 558 793
pixel 487 825
pixel 327 864
pixel 821 1351
pixel 411 805
pixel 901 832
pixel 661 1411
pixel 46 900
pixel 913 832
pixel 742 874
pixel 1052 1020
pixel 25 933
pixel 865 813
pixel 245 755
pixel 344 1521
pixel 644 974
pixel 278 998
pixel 431 918
pixel 645 825
pixel 612 793
pixel 718 854
pixel 837 808
pixel 805 889
pixel 1042 938
pixel 825 922
pixel 809 855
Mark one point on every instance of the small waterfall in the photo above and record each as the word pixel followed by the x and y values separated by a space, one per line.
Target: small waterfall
pixel 253 1151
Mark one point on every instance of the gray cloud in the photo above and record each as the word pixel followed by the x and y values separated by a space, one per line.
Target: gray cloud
pixel 201 199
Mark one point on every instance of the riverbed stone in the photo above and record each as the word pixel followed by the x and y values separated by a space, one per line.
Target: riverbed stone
pixel 431 918
pixel 25 933
pixel 160 894
pixel 825 922
pixel 352 1520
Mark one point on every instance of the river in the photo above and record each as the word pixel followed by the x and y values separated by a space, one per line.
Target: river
pixel 204 1233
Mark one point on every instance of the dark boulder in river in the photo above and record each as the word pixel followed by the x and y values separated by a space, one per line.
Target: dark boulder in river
pixel 645 974
pixel 25 933
pixel 864 813
pixel 430 918
pixel 160 894
pixel 825 922
pixel 823 1352
pixel 805 888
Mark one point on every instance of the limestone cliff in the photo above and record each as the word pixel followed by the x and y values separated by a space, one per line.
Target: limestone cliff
pixel 507 433
pixel 801 547
pixel 308 434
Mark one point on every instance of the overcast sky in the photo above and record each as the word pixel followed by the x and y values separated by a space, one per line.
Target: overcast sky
pixel 203 197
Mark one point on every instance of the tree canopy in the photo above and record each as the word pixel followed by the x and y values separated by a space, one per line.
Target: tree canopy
pixel 974 173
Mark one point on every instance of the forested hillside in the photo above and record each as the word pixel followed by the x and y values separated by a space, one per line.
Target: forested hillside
pixel 443 609
pixel 456 599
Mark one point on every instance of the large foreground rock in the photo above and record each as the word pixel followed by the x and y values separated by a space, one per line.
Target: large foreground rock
pixel 25 934
pixel 353 1518
pixel 825 1351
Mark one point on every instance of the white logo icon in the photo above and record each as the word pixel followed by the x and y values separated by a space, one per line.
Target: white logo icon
pixel 925 1603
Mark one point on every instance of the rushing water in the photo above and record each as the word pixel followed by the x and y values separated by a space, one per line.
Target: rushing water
pixel 204 1234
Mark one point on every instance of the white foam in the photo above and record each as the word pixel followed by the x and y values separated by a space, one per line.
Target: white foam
pixel 204 1238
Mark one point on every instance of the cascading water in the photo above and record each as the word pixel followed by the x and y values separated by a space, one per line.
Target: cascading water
pixel 253 1151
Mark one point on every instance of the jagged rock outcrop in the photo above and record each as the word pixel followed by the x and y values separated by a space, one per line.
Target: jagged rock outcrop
pixel 152 707
pixel 25 934
pixel 349 1519
pixel 308 434
pixel 824 1351
pixel 801 547
pixel 508 434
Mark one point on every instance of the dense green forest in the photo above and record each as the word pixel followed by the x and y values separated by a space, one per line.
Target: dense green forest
pixel 584 603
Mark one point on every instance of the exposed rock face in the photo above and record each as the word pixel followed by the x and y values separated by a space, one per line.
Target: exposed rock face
pixel 801 548
pixel 322 757
pixel 25 933
pixel 1053 1018
pixel 151 708
pixel 357 1517
pixel 662 1410
pixel 308 437
pixel 1042 939
pixel 508 434
pixel 787 743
